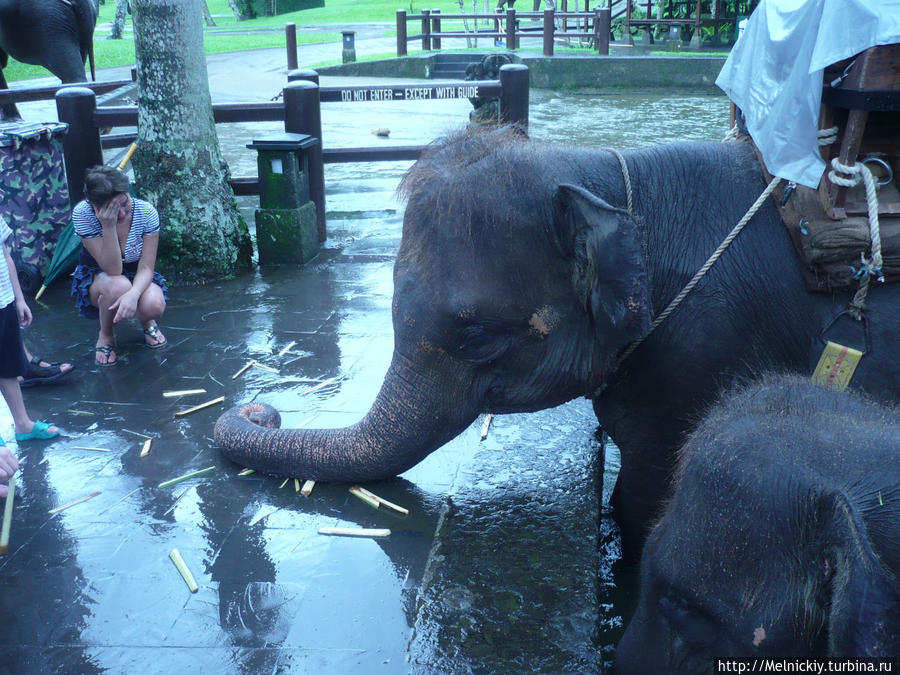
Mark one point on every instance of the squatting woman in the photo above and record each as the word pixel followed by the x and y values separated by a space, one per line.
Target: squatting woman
pixel 116 277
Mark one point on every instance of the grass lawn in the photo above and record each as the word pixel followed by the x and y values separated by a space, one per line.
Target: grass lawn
pixel 108 53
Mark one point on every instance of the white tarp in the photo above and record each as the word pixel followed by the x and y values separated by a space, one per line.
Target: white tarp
pixel 774 72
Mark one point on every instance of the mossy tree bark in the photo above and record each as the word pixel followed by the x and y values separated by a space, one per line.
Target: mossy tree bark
pixel 178 165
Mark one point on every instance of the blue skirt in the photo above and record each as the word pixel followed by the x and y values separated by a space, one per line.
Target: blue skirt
pixel 83 277
pixel 12 354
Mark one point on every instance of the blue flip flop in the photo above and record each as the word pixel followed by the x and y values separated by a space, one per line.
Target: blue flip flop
pixel 40 432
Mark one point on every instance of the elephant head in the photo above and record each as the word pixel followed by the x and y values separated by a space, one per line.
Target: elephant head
pixel 513 288
pixel 780 536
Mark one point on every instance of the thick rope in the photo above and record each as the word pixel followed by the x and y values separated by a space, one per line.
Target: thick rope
pixel 627 178
pixel 870 267
pixel 827 136
pixel 702 271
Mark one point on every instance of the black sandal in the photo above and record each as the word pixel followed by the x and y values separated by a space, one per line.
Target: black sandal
pixel 36 374
pixel 106 350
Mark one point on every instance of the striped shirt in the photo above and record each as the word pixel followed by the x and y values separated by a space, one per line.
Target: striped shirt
pixel 7 295
pixel 144 221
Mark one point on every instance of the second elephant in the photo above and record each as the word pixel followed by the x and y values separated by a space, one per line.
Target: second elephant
pixel 780 539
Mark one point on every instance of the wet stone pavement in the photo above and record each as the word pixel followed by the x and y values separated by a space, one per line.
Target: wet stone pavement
pixel 500 565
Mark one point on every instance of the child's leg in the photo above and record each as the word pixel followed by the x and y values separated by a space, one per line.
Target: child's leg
pixel 9 387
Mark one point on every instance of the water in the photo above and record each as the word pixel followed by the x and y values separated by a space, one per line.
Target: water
pixel 496 568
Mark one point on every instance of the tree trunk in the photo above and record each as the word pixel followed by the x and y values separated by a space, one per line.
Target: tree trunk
pixel 118 27
pixel 178 164
pixel 207 17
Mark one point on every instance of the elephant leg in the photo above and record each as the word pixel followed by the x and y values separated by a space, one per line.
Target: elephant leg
pixel 8 111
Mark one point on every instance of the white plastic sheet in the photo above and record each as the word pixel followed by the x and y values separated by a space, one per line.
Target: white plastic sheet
pixel 774 72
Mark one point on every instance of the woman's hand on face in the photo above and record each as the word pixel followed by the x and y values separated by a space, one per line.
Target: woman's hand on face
pixel 108 214
pixel 125 307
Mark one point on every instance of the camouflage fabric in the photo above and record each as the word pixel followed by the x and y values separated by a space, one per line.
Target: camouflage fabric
pixel 34 193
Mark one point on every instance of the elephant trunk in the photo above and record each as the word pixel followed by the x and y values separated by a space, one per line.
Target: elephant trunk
pixel 411 416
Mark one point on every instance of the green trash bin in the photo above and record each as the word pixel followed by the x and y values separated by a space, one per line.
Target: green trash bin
pixel 34 194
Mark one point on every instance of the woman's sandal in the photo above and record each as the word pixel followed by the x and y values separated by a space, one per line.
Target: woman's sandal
pixel 106 350
pixel 154 333
pixel 39 432
pixel 36 374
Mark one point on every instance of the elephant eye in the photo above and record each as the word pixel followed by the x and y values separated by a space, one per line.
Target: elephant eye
pixel 477 345
pixel 692 624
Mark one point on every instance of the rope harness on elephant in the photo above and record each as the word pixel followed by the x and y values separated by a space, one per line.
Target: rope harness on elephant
pixel 871 266
pixel 673 305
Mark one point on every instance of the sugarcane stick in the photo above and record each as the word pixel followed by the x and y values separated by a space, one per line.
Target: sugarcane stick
pixel 183 570
pixel 365 495
pixel 183 392
pixel 307 488
pixel 242 370
pixel 356 492
pixel 286 348
pixel 486 426
pixel 350 532
pixel 215 401
pixel 77 501
pixel 146 449
pixel 7 515
pixel 186 476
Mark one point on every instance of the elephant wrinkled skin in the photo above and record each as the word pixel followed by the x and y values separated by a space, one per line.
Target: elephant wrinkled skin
pixel 780 539
pixel 520 278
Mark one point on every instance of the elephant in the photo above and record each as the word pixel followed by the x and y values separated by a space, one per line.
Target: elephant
pixel 522 277
pixel 55 34
pixel 780 538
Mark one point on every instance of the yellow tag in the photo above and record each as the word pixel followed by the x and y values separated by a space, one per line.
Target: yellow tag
pixel 836 366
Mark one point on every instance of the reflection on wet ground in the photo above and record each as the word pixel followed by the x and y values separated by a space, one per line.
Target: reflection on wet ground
pixel 494 570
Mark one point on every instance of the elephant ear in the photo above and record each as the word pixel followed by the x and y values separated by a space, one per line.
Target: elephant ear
pixel 608 265
pixel 864 617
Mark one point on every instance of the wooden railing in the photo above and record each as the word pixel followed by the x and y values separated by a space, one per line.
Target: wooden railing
pixel 593 25
pixel 299 109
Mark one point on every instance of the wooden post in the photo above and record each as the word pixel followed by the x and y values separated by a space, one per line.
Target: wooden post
pixel 303 115
pixel 436 27
pixel 602 27
pixel 401 32
pixel 548 32
pixel 514 85
pixel 697 39
pixel 510 28
pixel 426 30
pixel 290 38
pixel 306 75
pixel 628 39
pixel 81 145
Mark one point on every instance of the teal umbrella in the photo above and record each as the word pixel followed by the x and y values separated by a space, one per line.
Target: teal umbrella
pixel 65 256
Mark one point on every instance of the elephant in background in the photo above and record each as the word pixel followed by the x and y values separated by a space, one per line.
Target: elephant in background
pixel 780 539
pixel 55 34
pixel 522 277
